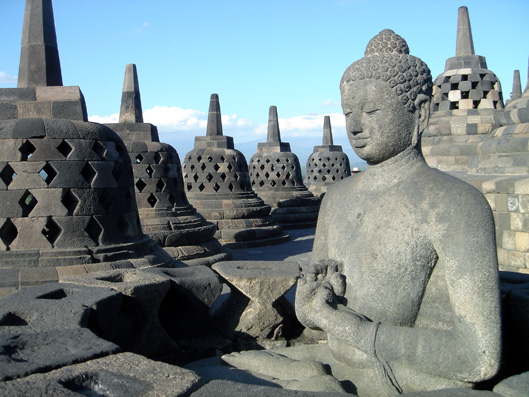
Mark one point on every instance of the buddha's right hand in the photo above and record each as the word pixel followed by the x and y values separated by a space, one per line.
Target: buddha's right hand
pixel 323 278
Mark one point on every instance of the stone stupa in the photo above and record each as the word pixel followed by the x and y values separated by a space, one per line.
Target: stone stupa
pixel 327 164
pixel 218 185
pixel 275 174
pixel 165 213
pixel 66 185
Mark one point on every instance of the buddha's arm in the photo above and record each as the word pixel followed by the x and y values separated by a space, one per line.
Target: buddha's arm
pixel 470 351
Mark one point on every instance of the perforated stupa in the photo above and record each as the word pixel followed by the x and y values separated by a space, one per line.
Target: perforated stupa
pixel 327 164
pixel 275 174
pixel 218 185
pixel 165 213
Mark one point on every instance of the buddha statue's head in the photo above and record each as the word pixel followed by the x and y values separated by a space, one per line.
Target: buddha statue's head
pixel 385 99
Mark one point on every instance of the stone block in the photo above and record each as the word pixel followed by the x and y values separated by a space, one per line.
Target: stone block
pixel 465 86
pixel 37 275
pixel 8 111
pixel 17 94
pixel 486 104
pixel 48 203
pixel 494 95
pixel 27 174
pixel 68 110
pixel 514 386
pixel 72 174
pixel 58 93
pixel 454 95
pixel 485 85
pixel 522 241
pixel 466 104
pixel 34 109
pixel 484 128
pixel 524 203
pixel 476 94
pixel 501 203
pixel 491 198
pixel 522 186
pixel 503 221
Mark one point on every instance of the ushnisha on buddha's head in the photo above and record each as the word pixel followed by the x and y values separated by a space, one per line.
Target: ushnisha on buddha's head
pixel 386 99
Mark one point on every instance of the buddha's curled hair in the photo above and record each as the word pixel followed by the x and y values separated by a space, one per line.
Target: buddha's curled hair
pixel 387 58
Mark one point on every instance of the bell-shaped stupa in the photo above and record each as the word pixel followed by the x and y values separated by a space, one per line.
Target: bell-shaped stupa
pixel 165 213
pixel 218 185
pixel 66 185
pixel 327 164
pixel 275 174
pixel 467 95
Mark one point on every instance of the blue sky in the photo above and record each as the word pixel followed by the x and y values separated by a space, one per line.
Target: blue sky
pixel 254 54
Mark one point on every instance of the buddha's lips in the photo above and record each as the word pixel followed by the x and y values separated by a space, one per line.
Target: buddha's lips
pixel 359 142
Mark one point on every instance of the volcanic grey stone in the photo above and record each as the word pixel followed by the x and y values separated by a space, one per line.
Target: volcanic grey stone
pixel 165 213
pixel 218 185
pixel 275 175
pixel 327 164
pixel 515 386
pixel 404 275
pixel 52 325
pixel 39 58
pixel 263 283
pixel 120 375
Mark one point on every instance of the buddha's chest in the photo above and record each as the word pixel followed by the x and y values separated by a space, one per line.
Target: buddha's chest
pixel 387 256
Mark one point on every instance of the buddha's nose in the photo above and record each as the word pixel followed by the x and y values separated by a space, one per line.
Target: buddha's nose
pixel 354 124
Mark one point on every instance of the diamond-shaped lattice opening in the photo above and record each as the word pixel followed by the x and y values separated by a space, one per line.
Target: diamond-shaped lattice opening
pixel 230 167
pixel 195 178
pixel 283 167
pixel 160 185
pixel 192 167
pixel 48 173
pixel 236 176
pixel 152 200
pixel 8 174
pixel 267 175
pixel 203 166
pixel 189 186
pixel 64 148
pixel 288 175
pixel 88 173
pixel 288 160
pixel 201 187
pixel 333 178
pixel 171 199
pixel 278 160
pixel 324 165
pixel 261 183
pixel 8 232
pixel 157 158
pixel 230 186
pixel 323 178
pixel 222 158
pixel 99 149
pixel 27 202
pixel 216 167
pixel 149 171
pixel 139 158
pixel 70 201
pixel 210 159
pixel 273 183
pixel 216 187
pixel 140 185
pixel 11 319
pixel 51 231
pixel 262 167
pixel 267 161
pixel 223 176
pixel 106 200
pixel 198 158
pixel 94 230
pixel 278 174
pixel 117 172
pixel 26 150
pixel 283 182
pixel 209 177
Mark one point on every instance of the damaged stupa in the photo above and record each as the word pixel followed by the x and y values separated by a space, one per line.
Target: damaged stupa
pixel 275 174
pixel 218 185
pixel 165 213
pixel 66 185
pixel 327 164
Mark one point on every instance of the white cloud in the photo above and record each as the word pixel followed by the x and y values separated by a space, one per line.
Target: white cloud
pixel 6 78
pixel 113 118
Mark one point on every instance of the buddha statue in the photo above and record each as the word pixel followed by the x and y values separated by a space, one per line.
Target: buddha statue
pixel 403 277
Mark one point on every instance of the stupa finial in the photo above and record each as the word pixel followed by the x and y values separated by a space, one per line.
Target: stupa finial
pixel 273 126
pixel 527 86
pixel 130 111
pixel 327 131
pixel 40 65
pixel 516 86
pixel 214 127
pixel 464 44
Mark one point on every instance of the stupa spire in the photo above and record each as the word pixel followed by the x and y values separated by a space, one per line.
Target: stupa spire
pixel 527 85
pixel 273 126
pixel 39 56
pixel 327 131
pixel 464 44
pixel 130 111
pixel 214 127
pixel 516 86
